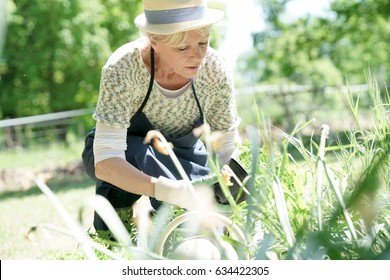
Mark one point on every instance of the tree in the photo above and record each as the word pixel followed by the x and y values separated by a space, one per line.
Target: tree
pixel 55 50
pixel 322 50
pixel 360 34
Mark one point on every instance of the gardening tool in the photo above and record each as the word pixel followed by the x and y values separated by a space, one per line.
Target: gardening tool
pixel 203 228
pixel 237 189
pixel 203 240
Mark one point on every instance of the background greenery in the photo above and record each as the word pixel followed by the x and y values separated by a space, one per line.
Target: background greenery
pixel 319 51
pixel 54 52
pixel 52 61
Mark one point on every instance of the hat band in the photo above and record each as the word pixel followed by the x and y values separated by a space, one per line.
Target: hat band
pixel 174 16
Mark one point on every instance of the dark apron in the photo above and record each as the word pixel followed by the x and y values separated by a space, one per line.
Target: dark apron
pixel 189 150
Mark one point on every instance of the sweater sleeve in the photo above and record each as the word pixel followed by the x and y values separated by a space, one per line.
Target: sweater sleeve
pixel 114 100
pixel 221 110
pixel 229 148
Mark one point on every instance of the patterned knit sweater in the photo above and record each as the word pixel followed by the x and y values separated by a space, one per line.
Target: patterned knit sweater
pixel 124 84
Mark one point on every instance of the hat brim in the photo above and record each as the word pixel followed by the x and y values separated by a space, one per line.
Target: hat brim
pixel 211 16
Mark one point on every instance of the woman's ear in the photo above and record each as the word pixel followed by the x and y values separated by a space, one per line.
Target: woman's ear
pixel 153 43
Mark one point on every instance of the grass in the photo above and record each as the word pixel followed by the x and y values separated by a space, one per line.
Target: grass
pixel 336 210
pixel 30 225
pixel 41 157
pixel 24 211
pixel 331 201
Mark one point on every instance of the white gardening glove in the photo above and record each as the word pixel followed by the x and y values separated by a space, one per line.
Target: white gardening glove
pixel 179 193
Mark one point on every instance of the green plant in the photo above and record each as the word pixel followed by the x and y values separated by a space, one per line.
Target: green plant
pixel 329 207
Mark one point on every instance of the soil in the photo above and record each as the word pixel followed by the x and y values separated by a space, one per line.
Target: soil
pixel 23 178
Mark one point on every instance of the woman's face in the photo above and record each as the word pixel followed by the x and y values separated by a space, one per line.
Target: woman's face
pixel 185 59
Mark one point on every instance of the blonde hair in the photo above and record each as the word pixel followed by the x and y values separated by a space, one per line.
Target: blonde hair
pixel 177 39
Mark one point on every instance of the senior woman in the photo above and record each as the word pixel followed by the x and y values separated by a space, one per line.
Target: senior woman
pixel 169 80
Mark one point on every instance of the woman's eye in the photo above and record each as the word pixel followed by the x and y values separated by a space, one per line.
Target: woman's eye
pixel 201 44
pixel 183 49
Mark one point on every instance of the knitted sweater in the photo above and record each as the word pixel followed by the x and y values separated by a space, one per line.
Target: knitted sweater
pixel 124 84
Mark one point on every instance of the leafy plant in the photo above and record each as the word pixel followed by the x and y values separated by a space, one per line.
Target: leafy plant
pixel 334 206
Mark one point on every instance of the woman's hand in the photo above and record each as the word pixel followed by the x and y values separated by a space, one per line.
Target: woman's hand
pixel 182 194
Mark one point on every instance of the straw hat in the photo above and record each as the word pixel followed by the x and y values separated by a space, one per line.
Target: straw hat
pixel 171 16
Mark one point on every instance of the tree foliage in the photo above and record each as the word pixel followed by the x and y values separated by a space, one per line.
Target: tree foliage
pixel 55 49
pixel 350 40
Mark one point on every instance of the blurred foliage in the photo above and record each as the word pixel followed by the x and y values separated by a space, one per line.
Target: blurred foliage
pixel 350 39
pixel 55 50
pixel 340 212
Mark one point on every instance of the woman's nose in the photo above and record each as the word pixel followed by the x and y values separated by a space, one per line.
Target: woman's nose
pixel 197 52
